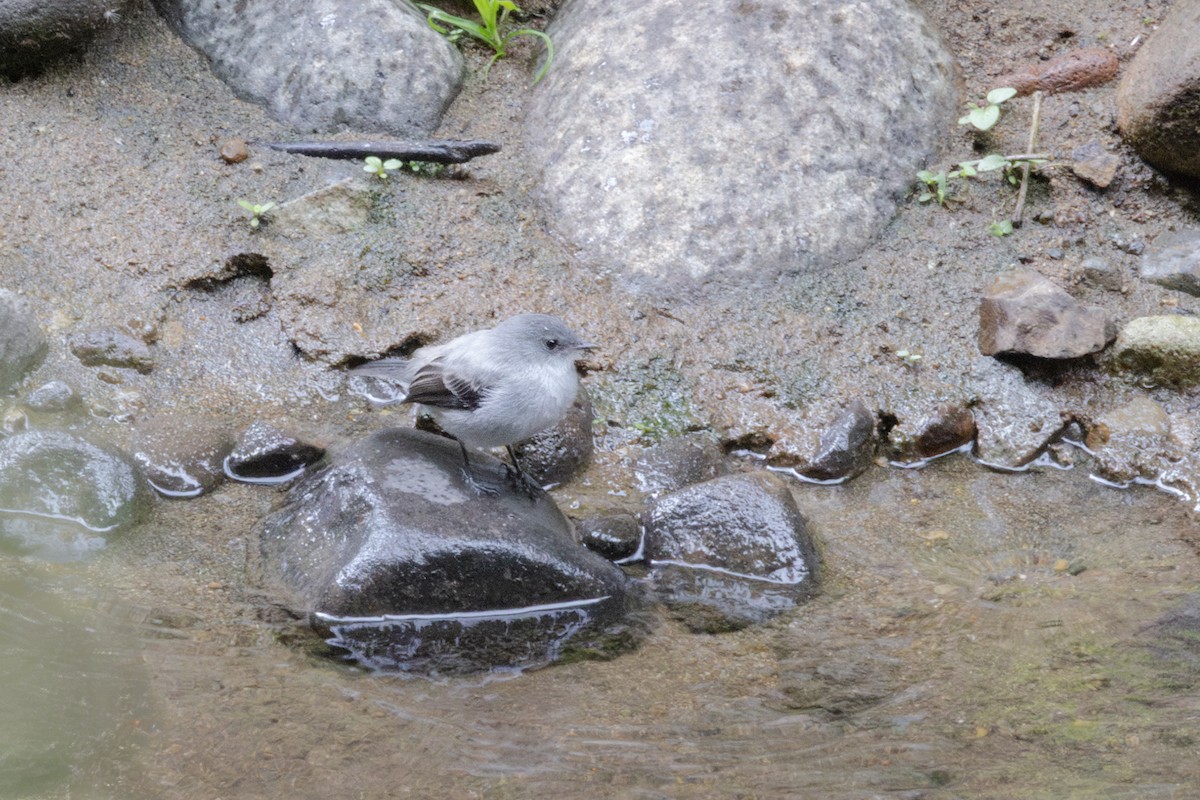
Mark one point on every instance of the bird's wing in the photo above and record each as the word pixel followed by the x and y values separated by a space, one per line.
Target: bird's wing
pixel 435 385
pixel 396 369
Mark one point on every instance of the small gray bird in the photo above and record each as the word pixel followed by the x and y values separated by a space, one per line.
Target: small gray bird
pixel 492 387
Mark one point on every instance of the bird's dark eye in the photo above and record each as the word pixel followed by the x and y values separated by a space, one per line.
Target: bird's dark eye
pixel 552 344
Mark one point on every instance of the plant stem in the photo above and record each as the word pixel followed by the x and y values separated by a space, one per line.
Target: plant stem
pixel 1019 211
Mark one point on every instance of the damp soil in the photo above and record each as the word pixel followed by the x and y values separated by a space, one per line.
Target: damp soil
pixel 978 634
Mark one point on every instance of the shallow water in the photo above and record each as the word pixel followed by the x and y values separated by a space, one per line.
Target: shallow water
pixel 978 635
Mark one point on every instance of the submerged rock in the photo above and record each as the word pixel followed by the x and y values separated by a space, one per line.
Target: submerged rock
pixel 730 552
pixel 22 344
pixel 181 455
pixel 404 560
pixel 325 65
pixel 720 137
pixel 1158 99
pixel 1166 349
pixel 1022 312
pixel 61 495
pixel 1174 261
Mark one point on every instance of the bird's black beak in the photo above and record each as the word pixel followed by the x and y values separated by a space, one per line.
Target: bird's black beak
pixel 586 346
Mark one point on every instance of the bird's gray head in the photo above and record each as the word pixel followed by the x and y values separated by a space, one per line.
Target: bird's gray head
pixel 541 337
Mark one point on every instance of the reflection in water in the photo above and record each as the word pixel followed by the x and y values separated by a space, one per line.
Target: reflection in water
pixel 461 643
pixel 978 635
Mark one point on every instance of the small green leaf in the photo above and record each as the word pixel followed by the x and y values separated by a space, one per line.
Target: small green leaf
pixel 984 118
pixel 246 204
pixel 992 162
pixel 966 170
pixel 925 176
pixel 392 163
pixel 264 208
pixel 1002 228
pixel 998 96
pixel 924 197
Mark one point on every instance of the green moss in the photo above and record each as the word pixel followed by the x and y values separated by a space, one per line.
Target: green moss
pixel 651 399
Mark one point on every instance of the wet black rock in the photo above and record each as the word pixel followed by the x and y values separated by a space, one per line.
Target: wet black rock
pixel 1174 261
pixel 944 429
pixel 111 347
pixel 614 536
pixel 558 454
pixel 324 65
pixel 52 396
pixel 22 344
pixel 412 566
pixel 62 495
pixel 1022 312
pixel 264 453
pixel 182 456
pixel 679 462
pixel 769 143
pixel 730 552
pixel 35 32
pixel 846 448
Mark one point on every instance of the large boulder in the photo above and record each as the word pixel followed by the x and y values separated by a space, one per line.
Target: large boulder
pixel 325 65
pixel 34 32
pixel 411 564
pixel 1158 100
pixel 716 137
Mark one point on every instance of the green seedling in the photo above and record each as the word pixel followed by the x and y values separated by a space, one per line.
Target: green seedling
pixel 1002 228
pixel 985 117
pixel 380 168
pixel 909 358
pixel 935 186
pixel 493 15
pixel 257 210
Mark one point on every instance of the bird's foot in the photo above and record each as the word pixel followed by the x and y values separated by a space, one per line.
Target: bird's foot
pixel 480 487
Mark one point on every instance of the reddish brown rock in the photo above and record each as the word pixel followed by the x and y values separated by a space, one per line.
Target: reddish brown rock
pixel 234 151
pixel 946 428
pixel 1070 72
pixel 1158 100
pixel 1022 312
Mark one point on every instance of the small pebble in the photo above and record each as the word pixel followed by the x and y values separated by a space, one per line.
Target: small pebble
pixel 234 151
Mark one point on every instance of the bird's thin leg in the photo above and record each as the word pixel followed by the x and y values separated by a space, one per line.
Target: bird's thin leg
pixel 522 480
pixel 469 475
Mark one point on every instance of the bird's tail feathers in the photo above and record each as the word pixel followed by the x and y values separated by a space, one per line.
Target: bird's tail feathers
pixel 396 374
